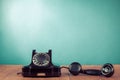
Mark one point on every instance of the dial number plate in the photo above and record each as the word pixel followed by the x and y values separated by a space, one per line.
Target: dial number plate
pixel 41 59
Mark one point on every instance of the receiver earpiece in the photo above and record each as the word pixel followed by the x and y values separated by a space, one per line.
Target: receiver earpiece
pixel 107 70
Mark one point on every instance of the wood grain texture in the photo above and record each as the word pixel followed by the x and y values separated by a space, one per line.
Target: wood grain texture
pixel 9 72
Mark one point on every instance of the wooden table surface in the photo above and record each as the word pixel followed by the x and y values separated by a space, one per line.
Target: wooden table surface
pixel 9 72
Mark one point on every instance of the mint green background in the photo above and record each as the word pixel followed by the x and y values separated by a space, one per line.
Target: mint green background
pixel 87 31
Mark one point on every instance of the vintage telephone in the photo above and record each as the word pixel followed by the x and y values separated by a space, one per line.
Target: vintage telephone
pixel 41 66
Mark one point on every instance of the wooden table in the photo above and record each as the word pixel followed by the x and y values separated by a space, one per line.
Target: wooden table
pixel 9 72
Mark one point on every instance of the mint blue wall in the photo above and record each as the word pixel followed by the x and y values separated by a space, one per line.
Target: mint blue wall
pixel 87 31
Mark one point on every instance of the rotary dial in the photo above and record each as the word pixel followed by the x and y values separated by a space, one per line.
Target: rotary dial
pixel 41 59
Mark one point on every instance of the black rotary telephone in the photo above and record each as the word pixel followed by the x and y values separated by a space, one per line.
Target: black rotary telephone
pixel 41 66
